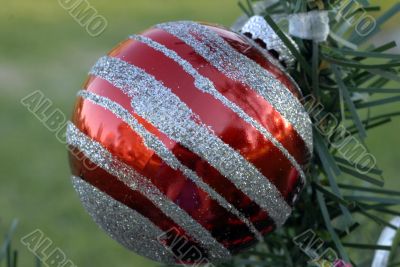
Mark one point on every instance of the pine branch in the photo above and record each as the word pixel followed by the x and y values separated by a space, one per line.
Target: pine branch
pixel 334 72
pixel 8 254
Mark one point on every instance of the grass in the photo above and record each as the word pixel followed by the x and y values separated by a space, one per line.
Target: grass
pixel 43 48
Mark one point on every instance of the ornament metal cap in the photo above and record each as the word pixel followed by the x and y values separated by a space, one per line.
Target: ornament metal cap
pixel 258 29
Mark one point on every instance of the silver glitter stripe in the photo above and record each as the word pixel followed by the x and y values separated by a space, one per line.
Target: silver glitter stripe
pixel 102 157
pixel 152 142
pixel 158 105
pixel 130 228
pixel 274 61
pixel 240 68
pixel 207 86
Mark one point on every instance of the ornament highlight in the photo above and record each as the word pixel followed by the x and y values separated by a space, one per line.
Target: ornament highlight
pixel 199 139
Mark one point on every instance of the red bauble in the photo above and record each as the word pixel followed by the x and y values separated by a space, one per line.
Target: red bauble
pixel 188 143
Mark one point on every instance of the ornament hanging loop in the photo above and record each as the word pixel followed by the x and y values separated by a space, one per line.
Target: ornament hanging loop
pixel 313 25
pixel 259 30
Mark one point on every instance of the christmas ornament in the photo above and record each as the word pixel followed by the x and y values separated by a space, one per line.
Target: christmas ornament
pixel 199 141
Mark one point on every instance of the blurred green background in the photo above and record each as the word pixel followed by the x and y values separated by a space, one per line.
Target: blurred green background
pixel 43 48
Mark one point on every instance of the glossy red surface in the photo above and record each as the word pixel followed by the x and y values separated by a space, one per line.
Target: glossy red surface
pixel 117 137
